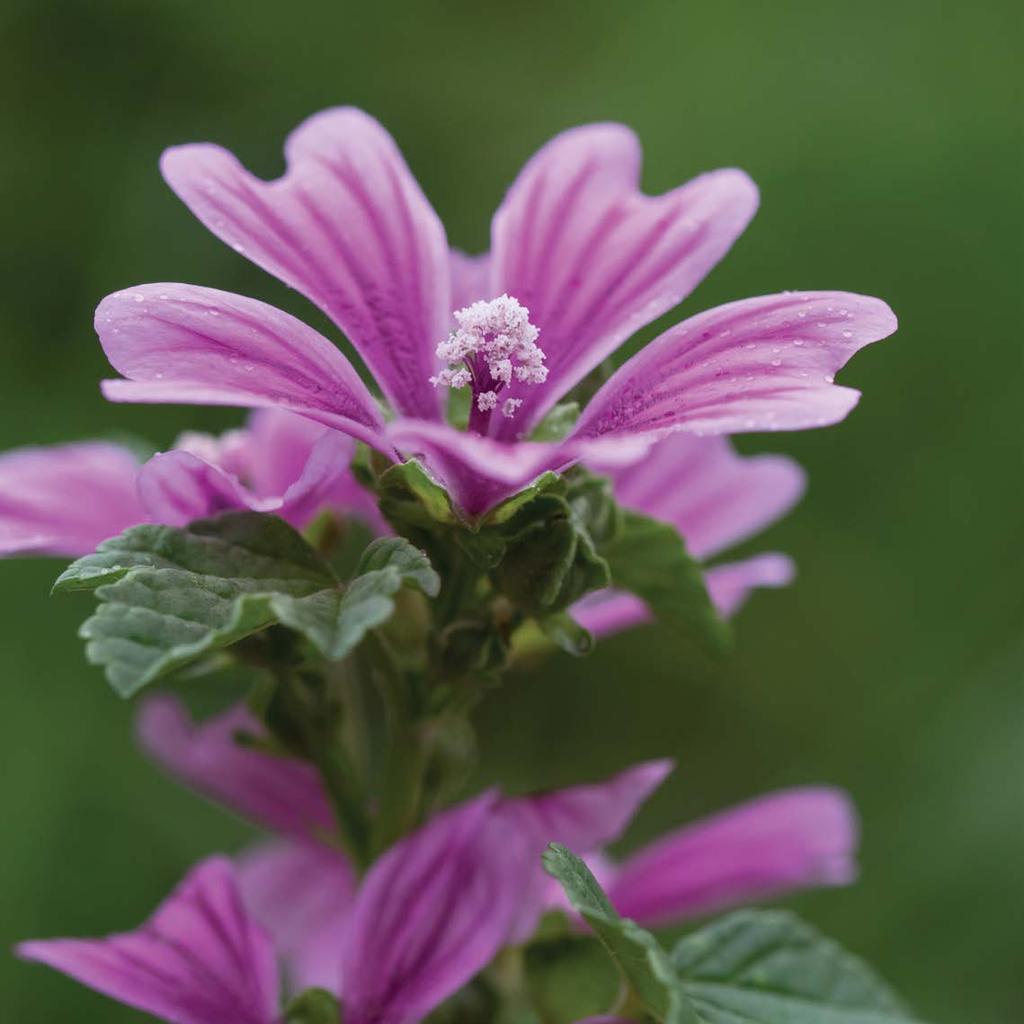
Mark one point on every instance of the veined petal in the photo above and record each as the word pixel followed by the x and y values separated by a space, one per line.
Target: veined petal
pixel 281 794
pixel 788 840
pixel 730 585
pixel 301 893
pixel 182 343
pixel 430 914
pixel 348 226
pixel 711 494
pixel 594 259
pixel 178 487
pixel 198 960
pixel 757 364
pixel 307 466
pixel 585 818
pixel 65 499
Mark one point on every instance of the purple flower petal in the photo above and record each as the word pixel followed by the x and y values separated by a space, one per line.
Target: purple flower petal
pixel 471 278
pixel 712 495
pixel 347 226
pixel 787 840
pixel 198 960
pixel 730 585
pixel 610 611
pixel 280 444
pixel 281 794
pixel 758 364
pixel 431 913
pixel 178 487
pixel 594 259
pixel 588 817
pixel 302 894
pixel 585 818
pixel 182 343
pixel 65 499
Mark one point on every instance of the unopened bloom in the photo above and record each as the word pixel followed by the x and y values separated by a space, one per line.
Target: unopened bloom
pixel 303 889
pixel 575 243
pixel 65 499
pixel 715 498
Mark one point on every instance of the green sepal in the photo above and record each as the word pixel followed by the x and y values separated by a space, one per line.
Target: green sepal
pixel 314 1006
pixel 409 498
pixel 565 632
pixel 510 506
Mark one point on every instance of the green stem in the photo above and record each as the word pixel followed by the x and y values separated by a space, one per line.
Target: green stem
pixel 312 723
pixel 402 787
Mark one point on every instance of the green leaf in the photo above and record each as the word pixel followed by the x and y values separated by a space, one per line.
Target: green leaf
pixel 768 967
pixel 649 558
pixel 557 424
pixel 411 564
pixel 169 596
pixel 644 965
pixel 245 545
pixel 314 1006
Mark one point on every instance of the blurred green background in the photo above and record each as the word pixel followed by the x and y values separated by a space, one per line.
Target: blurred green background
pixel 886 140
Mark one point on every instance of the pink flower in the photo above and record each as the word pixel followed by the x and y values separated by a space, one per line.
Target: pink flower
pixel 304 892
pixel 65 499
pixel 303 889
pixel 715 498
pixel 580 260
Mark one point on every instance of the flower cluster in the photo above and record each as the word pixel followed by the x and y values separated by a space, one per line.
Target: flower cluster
pixel 593 502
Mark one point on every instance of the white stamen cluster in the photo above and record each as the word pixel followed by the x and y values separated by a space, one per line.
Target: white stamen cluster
pixel 494 344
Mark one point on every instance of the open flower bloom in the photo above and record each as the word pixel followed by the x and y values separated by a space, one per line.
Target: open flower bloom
pixel 65 499
pixel 303 890
pixel 715 498
pixel 580 259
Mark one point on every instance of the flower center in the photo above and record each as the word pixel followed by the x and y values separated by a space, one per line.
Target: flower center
pixel 494 344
